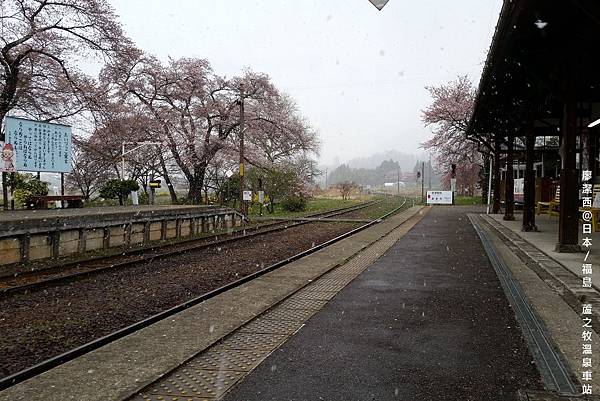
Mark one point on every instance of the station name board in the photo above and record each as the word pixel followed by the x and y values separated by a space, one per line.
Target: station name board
pixel 439 197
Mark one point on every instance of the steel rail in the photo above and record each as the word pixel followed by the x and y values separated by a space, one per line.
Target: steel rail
pixel 55 361
pixel 175 249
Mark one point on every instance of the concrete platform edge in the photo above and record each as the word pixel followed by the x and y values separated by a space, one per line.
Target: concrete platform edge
pixel 561 321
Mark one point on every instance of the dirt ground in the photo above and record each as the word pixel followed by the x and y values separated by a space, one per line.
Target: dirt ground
pixel 37 325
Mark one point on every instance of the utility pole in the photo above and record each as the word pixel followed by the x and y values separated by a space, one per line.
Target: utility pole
pixel 423 182
pixel 126 152
pixel 4 179
pixel 398 181
pixel 429 171
pixel 243 208
pixel 325 179
pixel 453 180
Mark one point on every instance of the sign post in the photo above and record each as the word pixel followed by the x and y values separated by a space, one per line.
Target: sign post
pixel 7 165
pixel 453 181
pixel 153 184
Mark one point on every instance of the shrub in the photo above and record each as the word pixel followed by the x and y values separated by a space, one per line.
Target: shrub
pixel 26 188
pixel 294 203
pixel 118 189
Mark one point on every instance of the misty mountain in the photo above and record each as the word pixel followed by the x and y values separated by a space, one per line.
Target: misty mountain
pixel 405 160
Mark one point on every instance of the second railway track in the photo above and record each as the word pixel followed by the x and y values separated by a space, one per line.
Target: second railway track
pixel 72 270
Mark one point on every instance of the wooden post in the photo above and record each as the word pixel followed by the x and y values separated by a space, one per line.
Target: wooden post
pixel 177 228
pixel 55 243
pixel 128 228
pixel 529 187
pixel 24 242
pixel 509 190
pixel 105 237
pixel 4 180
pixel 146 232
pixel 568 231
pixel 4 191
pixel 243 205
pixel 192 227
pixel 82 238
pixel 62 189
pixel 163 230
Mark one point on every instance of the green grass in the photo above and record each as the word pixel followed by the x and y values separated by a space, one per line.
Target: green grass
pixel 314 206
pixel 468 200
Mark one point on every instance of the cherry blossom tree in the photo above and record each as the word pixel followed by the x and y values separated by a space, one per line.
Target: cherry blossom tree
pixel 196 112
pixel 448 116
pixel 278 133
pixel 41 42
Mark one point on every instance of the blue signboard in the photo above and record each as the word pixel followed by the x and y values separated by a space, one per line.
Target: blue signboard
pixel 39 146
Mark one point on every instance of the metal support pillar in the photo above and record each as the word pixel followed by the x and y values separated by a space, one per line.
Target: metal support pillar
pixel 509 188
pixel 496 204
pixel 529 187
pixel 568 229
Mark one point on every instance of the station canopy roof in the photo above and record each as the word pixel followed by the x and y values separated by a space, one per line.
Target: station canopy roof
pixel 540 49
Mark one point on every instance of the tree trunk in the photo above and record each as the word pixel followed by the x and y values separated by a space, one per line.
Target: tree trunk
pixel 8 92
pixel 165 174
pixel 484 179
pixel 196 182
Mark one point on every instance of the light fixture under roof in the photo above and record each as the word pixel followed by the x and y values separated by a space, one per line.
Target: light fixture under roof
pixel 594 123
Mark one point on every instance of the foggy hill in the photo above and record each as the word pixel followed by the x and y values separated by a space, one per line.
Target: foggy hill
pixel 405 160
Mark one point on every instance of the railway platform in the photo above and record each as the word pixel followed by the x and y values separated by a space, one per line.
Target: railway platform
pixel 416 307
pixel 30 236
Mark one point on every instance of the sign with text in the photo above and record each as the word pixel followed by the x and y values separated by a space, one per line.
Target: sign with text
pixel 439 197
pixel 247 196
pixel 40 146
pixel 519 190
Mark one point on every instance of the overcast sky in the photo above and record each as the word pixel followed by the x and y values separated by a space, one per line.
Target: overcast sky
pixel 358 74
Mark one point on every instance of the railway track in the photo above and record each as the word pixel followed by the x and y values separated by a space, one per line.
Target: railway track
pixel 35 279
pixel 57 360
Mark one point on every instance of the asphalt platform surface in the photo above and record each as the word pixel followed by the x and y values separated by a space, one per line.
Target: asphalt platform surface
pixel 427 321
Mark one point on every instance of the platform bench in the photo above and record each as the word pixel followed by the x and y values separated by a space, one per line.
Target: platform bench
pixel 73 201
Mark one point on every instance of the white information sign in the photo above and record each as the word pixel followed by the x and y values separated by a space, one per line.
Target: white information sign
pixel 261 196
pixel 596 203
pixel 247 195
pixel 439 197
pixel 453 184
pixel 519 191
pixel 8 158
pixel 40 146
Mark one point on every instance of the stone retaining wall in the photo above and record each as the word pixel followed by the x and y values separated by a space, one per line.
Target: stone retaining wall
pixel 35 240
